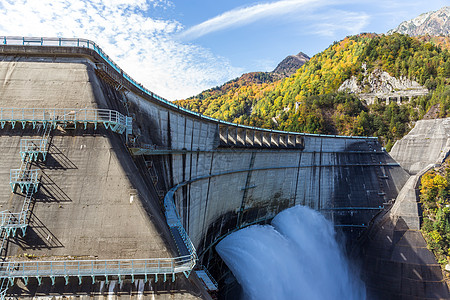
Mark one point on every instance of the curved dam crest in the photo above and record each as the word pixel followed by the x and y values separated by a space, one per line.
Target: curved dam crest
pixel 226 176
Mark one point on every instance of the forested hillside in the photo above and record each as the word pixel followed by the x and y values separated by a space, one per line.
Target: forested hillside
pixel 435 200
pixel 308 101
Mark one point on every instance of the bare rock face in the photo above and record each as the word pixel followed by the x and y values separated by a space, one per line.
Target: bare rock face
pixel 291 64
pixel 432 23
pixel 381 85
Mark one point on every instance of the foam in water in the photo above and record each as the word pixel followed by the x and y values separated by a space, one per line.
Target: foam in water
pixel 295 258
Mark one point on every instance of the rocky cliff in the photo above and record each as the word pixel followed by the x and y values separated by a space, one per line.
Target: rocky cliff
pixel 381 85
pixel 432 23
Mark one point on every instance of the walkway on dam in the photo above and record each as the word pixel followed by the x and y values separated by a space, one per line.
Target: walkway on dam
pixel 27 180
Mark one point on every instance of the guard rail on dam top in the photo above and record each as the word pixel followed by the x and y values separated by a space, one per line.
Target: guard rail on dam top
pixel 109 118
pixel 115 72
pixel 28 181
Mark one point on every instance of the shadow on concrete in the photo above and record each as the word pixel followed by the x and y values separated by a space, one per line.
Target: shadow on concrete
pixel 30 132
pixel 49 191
pixel 397 264
pixel 56 159
pixel 141 181
pixel 38 236
pixel 139 289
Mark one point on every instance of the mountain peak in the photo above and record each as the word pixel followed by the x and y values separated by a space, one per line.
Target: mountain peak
pixel 432 23
pixel 291 64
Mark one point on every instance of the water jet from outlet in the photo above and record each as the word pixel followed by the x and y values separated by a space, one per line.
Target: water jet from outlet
pixel 297 257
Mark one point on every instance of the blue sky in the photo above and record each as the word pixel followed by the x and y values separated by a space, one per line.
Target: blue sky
pixel 177 48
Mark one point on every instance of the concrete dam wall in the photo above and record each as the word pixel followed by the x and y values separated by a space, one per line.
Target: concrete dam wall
pixel 102 194
pixel 225 184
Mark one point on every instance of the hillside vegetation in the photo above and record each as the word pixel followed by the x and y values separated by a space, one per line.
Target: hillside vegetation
pixel 435 200
pixel 308 101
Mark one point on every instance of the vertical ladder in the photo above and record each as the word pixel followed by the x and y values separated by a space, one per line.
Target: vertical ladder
pixel 154 177
pixel 129 125
pixel 4 240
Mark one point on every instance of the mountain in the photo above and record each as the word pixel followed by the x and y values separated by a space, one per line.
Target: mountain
pixel 310 100
pixel 287 67
pixel 291 64
pixel 433 23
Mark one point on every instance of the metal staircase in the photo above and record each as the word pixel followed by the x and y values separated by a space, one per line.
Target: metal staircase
pixel 27 180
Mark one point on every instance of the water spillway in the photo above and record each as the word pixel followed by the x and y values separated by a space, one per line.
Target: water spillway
pixel 297 257
pixel 178 177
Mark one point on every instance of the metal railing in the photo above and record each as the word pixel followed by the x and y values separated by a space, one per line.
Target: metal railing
pixel 94 268
pixel 5 282
pixel 173 220
pixel 84 43
pixel 209 281
pixel 33 147
pixel 117 122
pixel 28 181
pixel 9 219
pixel 109 118
pixel 25 179
pixel 11 222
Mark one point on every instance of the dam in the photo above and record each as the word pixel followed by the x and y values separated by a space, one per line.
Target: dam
pixel 108 189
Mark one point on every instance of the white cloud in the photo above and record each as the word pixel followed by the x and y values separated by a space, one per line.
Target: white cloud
pixel 335 21
pixel 142 46
pixel 245 15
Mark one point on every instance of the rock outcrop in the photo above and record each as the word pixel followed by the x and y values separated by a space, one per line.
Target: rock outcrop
pixel 432 23
pixel 380 85
pixel 291 64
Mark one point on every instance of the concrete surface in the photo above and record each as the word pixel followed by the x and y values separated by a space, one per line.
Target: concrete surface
pixel 396 263
pixel 427 143
pixel 88 177
pixel 229 188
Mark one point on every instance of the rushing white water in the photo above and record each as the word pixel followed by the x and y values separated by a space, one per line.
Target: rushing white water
pixel 295 258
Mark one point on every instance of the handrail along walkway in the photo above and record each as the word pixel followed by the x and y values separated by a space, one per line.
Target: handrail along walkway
pixel 54 269
pixel 109 118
